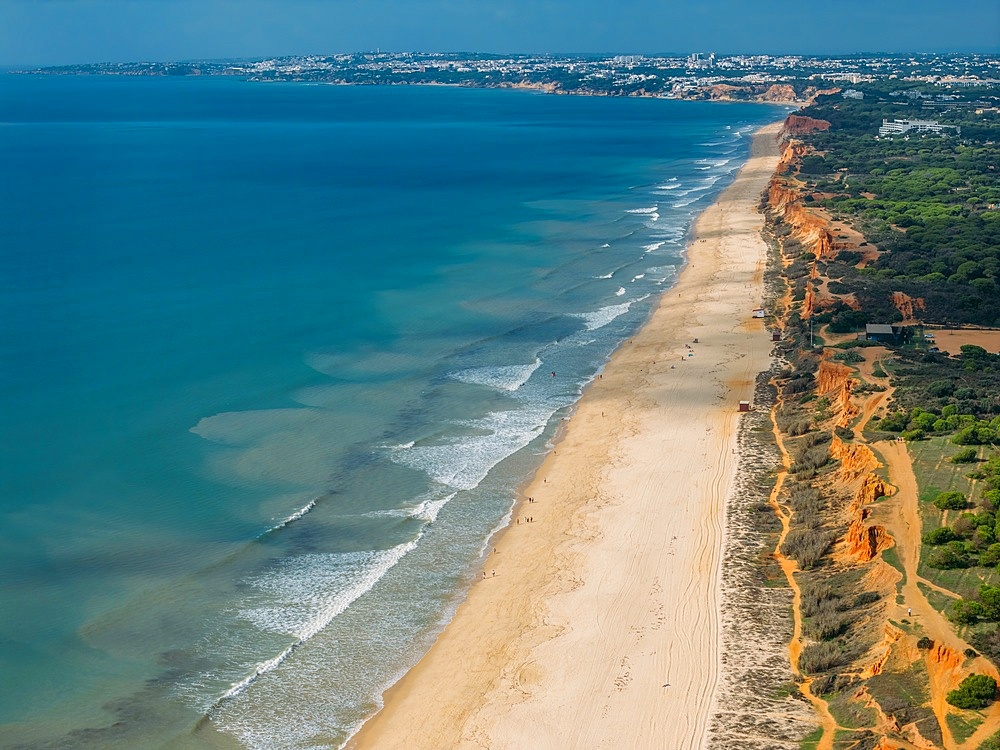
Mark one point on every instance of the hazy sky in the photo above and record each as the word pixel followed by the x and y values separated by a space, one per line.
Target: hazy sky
pixel 40 32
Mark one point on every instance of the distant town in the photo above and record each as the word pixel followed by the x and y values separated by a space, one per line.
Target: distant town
pixel 700 75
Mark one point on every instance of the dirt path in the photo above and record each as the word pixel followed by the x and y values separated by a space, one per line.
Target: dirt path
pixel 789 567
pixel 866 370
pixel 944 665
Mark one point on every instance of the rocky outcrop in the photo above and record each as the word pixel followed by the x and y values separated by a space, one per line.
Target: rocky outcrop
pixel 835 381
pixel 778 93
pixel 799 125
pixel 808 228
pixel 872 489
pixel 721 91
pixel 864 542
pixel 856 460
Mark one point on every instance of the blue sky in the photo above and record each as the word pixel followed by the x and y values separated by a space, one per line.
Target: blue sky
pixel 43 32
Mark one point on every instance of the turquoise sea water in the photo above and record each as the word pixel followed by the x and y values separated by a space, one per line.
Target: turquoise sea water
pixel 273 362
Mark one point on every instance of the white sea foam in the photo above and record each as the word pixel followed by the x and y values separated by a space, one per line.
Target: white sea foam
pixel 606 244
pixel 651 210
pixel 464 461
pixel 305 593
pixel 653 247
pixel 429 508
pixel 692 198
pixel 603 316
pixel 639 276
pixel 504 377
pixel 296 515
pixel 605 276
pixel 661 274
pixel 262 668
pixel 669 186
pixel 712 163
pixel 620 292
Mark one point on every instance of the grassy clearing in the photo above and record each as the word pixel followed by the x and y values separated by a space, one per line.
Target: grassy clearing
pixel 936 599
pixel 991 743
pixel 896 690
pixel 963 581
pixel 964 725
pixel 891 556
pixel 850 713
pixel 936 473
pixel 811 740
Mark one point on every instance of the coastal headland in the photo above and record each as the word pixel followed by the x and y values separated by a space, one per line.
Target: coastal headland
pixel 596 622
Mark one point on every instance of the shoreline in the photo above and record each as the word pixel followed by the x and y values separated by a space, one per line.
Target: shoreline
pixel 600 618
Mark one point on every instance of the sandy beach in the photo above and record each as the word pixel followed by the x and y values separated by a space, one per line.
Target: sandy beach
pixel 597 621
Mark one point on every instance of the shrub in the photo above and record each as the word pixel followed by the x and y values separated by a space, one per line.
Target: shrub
pixel 925 643
pixel 990 556
pixel 940 536
pixel 844 433
pixel 912 435
pixel 975 691
pixel 819 657
pixel 805 500
pixel 865 598
pixel 951 501
pixel 826 625
pixel 966 612
pixel 987 642
pixel 810 459
pixel 895 422
pixel 950 556
pixel 815 598
pixel 806 547
pixel 849 356
pixel 965 456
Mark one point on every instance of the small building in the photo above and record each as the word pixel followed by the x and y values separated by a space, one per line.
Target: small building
pixel 775 335
pixel 882 332
pixel 758 312
pixel 744 406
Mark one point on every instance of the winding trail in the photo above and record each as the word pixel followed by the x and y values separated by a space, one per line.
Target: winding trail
pixel 789 567
pixel 945 661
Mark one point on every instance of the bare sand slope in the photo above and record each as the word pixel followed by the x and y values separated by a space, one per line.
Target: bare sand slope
pixel 600 627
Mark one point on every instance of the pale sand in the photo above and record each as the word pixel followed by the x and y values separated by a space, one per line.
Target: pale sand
pixel 601 625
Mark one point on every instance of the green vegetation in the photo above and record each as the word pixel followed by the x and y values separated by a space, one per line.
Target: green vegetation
pixel 975 691
pixel 927 202
pixel 991 743
pixel 951 501
pixel 928 210
pixel 963 727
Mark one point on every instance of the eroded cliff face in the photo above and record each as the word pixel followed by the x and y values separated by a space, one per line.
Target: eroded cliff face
pixel 865 540
pixel 834 381
pixel 799 125
pixel 779 93
pixel 861 513
pixel 907 304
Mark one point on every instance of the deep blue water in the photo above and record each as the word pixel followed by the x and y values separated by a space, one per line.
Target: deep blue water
pixel 273 361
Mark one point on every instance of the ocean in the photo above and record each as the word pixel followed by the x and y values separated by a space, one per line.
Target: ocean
pixel 274 360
